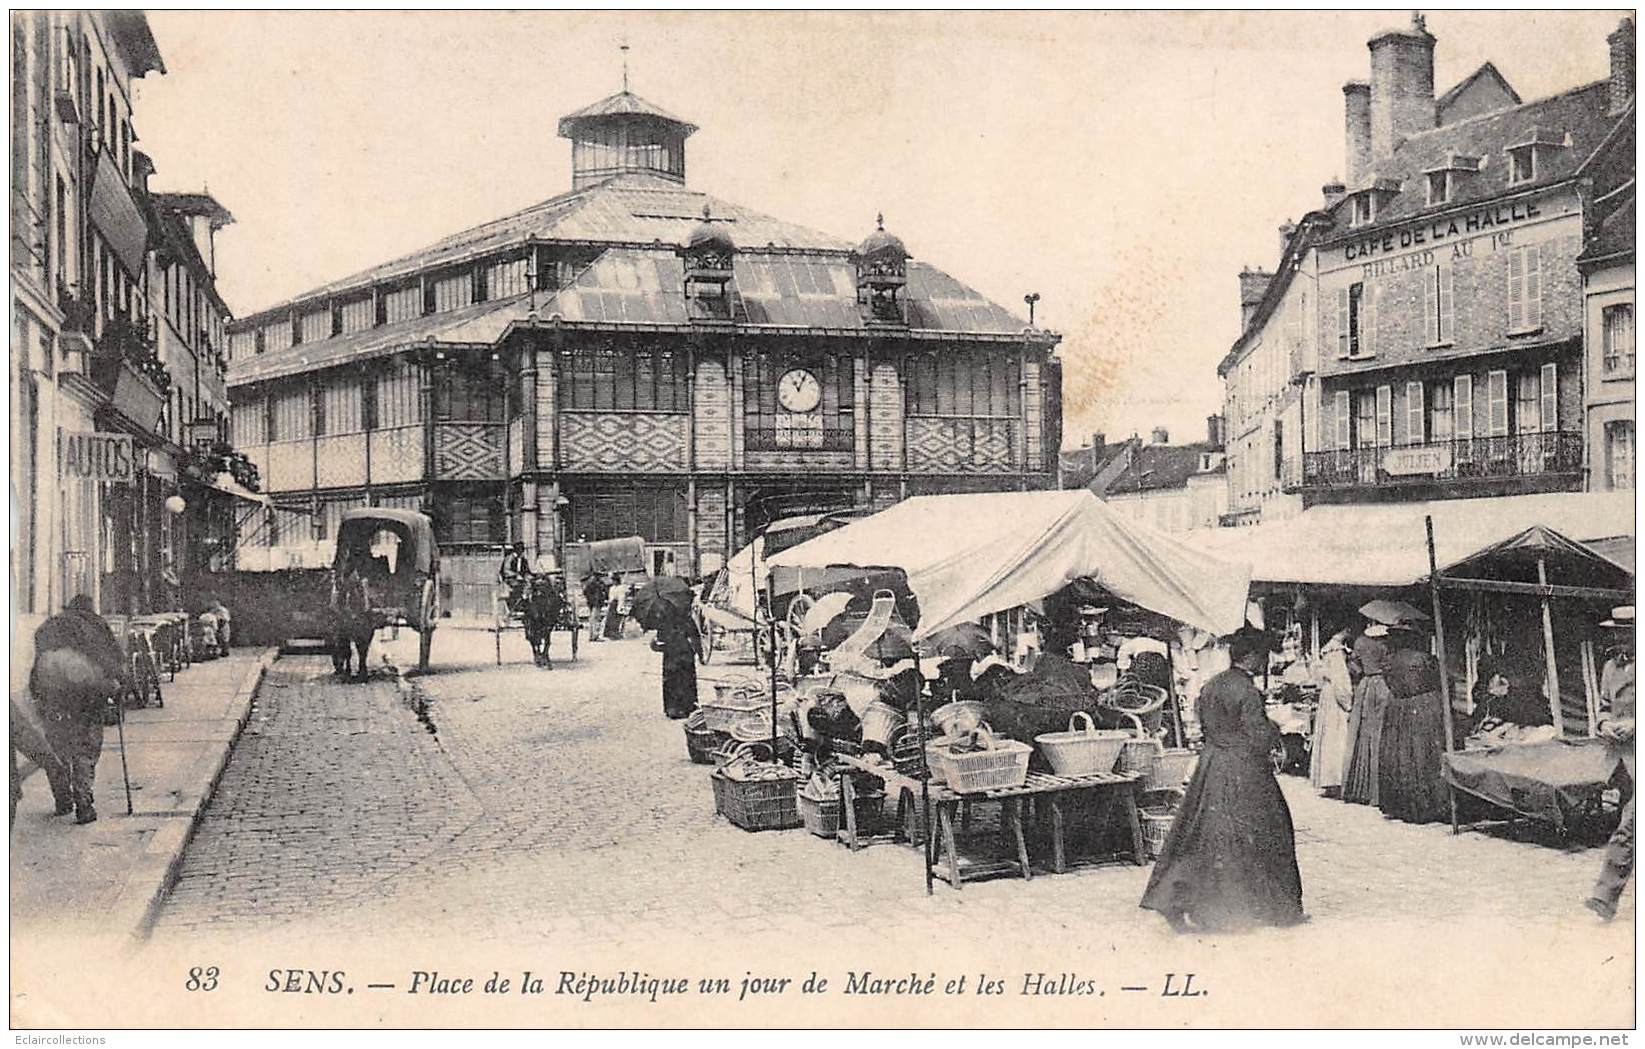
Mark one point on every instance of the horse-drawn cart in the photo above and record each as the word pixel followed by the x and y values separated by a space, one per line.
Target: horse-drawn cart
pixel 396 554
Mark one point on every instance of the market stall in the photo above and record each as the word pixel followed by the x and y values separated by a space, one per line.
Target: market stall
pixel 949 564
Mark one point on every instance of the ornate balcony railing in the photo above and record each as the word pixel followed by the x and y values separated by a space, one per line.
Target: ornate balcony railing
pixel 1479 458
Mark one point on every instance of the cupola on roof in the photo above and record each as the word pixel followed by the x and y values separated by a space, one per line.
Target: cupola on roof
pixel 624 134
pixel 708 235
pixel 881 243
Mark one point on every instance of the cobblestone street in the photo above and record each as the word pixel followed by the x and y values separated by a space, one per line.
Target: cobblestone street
pixel 526 806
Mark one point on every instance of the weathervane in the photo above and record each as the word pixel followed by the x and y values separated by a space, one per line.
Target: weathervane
pixel 1031 298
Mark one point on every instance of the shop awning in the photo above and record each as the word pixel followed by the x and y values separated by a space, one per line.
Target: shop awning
pixel 967 556
pixel 1386 544
pixel 116 215
pixel 225 483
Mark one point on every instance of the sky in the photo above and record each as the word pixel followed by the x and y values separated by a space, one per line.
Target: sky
pixel 1125 166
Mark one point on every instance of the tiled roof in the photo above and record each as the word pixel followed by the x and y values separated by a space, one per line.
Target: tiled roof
pixel 1615 235
pixel 623 103
pixel 1580 113
pixel 194 204
pixel 1486 72
pixel 1155 467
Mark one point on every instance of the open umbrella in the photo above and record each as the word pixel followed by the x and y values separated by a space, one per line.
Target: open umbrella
pixel 1390 613
pixel 661 599
pixel 825 611
pixel 893 644
pixel 959 640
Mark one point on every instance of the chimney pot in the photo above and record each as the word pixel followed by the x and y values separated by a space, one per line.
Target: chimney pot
pixel 1622 65
pixel 1213 430
pixel 1252 284
pixel 1333 192
pixel 1287 230
pixel 1160 435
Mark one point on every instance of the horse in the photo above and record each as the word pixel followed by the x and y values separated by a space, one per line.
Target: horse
pixel 542 611
pixel 352 625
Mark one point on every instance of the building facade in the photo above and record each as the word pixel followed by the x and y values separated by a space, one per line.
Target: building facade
pixel 107 373
pixel 1607 266
pixel 633 357
pixel 1448 350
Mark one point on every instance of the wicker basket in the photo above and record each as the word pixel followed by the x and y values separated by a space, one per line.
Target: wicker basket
pixel 766 804
pixel 701 742
pixel 821 818
pixel 1171 770
pixel 1081 752
pixel 1156 827
pixel 1001 764
pixel 735 701
pixel 882 723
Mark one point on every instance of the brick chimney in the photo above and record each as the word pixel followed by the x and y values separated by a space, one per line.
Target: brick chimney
pixel 1099 445
pixel 1356 106
pixel 1252 283
pixel 1402 86
pixel 1622 65
pixel 1333 192
pixel 1160 436
pixel 1213 430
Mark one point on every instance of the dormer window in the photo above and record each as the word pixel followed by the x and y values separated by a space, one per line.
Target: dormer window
pixel 1439 187
pixel 1521 165
pixel 1364 209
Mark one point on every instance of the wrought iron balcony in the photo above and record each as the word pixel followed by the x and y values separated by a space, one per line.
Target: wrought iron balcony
pixel 1526 455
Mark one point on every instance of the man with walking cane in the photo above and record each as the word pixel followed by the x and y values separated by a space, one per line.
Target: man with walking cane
pixel 78 666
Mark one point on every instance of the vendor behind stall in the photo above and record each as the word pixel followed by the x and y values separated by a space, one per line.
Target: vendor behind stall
pixel 1504 695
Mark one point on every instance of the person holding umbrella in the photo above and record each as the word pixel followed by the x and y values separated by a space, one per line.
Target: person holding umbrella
pixel 664 604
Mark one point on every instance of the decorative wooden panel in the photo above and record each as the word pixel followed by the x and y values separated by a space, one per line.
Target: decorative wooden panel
pixel 713 402
pixel 711 537
pixel 342 461
pixel 961 445
pixel 290 466
pixel 1031 412
pixel 547 396
pixel 516 447
pixel 885 436
pixel 468 451
pixel 632 442
pixel 397 455
pixel 800 461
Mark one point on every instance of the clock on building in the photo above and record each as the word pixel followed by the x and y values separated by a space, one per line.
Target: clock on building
pixel 798 391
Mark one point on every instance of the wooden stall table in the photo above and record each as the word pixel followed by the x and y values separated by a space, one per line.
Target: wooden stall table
pixel 1114 788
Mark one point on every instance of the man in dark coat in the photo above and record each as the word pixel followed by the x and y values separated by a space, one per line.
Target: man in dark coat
pixel 1616 727
pixel 31 743
pixel 73 708
pixel 515 573
pixel 596 591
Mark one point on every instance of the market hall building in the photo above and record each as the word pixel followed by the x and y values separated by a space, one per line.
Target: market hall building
pixel 632 357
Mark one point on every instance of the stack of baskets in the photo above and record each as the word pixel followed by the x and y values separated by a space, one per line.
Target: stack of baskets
pixel 1171 770
pixel 736 701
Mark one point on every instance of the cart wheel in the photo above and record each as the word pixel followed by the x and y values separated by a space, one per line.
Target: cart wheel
pixel 797 609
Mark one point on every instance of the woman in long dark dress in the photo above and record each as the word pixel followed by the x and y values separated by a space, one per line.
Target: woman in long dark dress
pixel 1230 861
pixel 1410 785
pixel 1371 656
pixel 677 639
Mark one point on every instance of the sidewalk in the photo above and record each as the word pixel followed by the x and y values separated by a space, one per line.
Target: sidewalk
pixel 106 878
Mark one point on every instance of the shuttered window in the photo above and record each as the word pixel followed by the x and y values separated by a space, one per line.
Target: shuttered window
pixel 1439 413
pixel 1385 416
pixel 1437 304
pixel 276 336
pixel 359 314
pixel 403 304
pixel 398 400
pixel 1496 392
pixel 1344 317
pixel 340 405
pixel 506 279
pixel 454 292
pixel 1550 398
pixel 248 424
pixel 1525 288
pixel 1414 413
pixel 316 325
pixel 1343 421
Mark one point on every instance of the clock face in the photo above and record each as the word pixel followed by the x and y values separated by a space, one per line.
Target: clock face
pixel 798 391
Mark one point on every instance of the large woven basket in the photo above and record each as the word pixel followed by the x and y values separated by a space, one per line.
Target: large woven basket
pixel 1082 752
pixel 700 741
pixel 1003 763
pixel 734 702
pixel 821 817
pixel 759 804
pixel 1171 770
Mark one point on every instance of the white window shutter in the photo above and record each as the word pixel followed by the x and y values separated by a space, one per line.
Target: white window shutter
pixel 1497 394
pixel 1342 322
pixel 1343 419
pixel 1516 289
pixel 1413 413
pixel 1447 304
pixel 1430 305
pixel 1533 286
pixel 1368 321
pixel 1550 398
pixel 1462 407
pixel 1385 416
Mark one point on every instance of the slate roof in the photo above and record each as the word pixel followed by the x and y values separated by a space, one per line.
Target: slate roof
pixel 1488 71
pixel 1615 235
pixel 1580 113
pixel 787 278
pixel 1157 467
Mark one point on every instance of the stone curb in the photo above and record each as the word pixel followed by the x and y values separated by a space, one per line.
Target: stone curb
pixel 156 870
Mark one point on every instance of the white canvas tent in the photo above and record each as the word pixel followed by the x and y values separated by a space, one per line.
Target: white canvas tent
pixel 967 556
